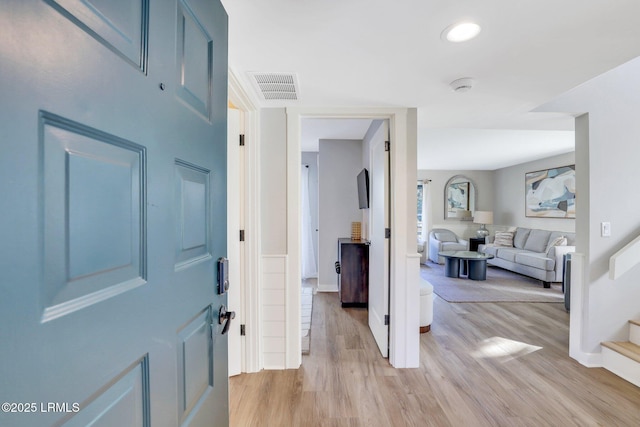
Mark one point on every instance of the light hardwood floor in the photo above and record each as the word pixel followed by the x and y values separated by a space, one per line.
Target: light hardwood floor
pixel 490 364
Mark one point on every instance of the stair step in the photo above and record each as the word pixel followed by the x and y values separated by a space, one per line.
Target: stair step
pixel 626 348
pixel 634 331
pixel 623 359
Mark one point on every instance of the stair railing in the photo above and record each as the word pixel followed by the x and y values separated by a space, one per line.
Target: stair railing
pixel 625 259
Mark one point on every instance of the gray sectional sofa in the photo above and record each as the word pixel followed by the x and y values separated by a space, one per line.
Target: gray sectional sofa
pixel 533 253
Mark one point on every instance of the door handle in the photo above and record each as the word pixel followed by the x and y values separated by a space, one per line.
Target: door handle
pixel 224 317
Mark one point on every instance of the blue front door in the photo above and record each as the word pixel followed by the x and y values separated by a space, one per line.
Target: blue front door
pixel 113 218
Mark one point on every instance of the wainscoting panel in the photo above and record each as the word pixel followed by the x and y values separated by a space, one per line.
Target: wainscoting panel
pixel 274 279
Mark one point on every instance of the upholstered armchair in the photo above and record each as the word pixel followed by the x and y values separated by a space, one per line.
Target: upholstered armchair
pixel 441 239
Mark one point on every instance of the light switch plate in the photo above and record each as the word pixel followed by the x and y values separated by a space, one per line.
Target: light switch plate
pixel 605 229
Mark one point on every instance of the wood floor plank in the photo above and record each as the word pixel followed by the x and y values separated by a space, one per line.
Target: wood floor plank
pixel 482 364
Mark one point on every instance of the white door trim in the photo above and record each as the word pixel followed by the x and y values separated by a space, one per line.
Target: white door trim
pixel 251 295
pixel 235 248
pixel 404 330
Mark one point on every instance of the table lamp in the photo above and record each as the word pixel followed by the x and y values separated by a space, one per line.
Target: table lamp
pixel 483 218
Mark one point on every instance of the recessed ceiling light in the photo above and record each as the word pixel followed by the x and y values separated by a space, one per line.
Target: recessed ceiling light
pixel 460 32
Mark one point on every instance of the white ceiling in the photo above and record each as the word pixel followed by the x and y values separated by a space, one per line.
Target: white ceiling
pixel 375 53
pixel 315 129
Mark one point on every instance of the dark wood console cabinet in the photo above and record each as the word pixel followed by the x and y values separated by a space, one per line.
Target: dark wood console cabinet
pixel 353 272
pixel 474 242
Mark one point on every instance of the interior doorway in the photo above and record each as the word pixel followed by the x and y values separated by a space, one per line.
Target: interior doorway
pixel 404 342
pixel 342 149
pixel 243 141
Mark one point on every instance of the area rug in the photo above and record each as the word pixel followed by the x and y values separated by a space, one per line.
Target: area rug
pixel 501 286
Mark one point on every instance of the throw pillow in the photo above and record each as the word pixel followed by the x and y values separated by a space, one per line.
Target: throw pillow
pixel 537 240
pixel 446 237
pixel 520 238
pixel 503 238
pixel 558 241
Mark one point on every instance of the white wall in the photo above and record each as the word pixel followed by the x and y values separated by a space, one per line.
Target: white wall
pixel 273 177
pixel 311 159
pixel 509 195
pixel 606 168
pixel 340 161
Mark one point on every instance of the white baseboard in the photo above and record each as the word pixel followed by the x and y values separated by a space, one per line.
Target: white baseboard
pixel 327 288
pixel 590 360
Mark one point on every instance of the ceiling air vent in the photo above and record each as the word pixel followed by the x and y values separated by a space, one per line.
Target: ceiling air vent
pixel 276 86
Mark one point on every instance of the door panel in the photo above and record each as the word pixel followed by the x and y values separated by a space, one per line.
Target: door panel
pixel 114 215
pixel 123 403
pixel 93 210
pixel 195 50
pixel 194 362
pixel 120 26
pixel 379 250
pixel 193 210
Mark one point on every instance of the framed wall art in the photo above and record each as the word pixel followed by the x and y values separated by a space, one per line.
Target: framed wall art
pixel 551 193
pixel 458 196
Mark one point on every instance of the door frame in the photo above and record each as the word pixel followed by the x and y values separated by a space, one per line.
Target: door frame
pixel 404 342
pixel 250 292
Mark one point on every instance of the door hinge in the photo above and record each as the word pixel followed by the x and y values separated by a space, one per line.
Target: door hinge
pixel 387 146
pixel 387 233
pixel 241 140
pixel 242 331
pixel 386 319
pixel 242 235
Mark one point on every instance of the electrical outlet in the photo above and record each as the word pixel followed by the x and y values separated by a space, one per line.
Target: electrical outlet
pixel 605 229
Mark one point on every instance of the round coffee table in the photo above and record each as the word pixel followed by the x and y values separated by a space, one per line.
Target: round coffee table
pixel 477 263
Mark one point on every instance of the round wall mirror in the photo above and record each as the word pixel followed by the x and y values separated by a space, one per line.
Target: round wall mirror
pixel 460 196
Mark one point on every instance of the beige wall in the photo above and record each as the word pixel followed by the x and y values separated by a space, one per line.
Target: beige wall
pixel 340 162
pixel 509 195
pixel 501 191
pixel 483 181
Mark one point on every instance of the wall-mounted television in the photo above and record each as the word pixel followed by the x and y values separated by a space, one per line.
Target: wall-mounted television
pixel 363 189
